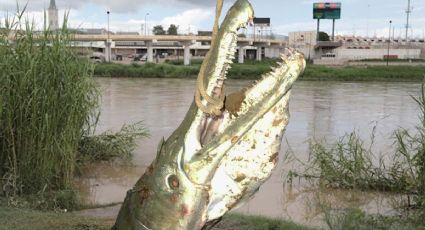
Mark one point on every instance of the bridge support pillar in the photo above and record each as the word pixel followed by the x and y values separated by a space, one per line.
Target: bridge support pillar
pixel 259 53
pixel 108 50
pixel 241 54
pixel 186 54
pixel 149 46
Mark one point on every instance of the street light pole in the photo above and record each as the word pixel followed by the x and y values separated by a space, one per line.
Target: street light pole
pixel 367 21
pixel 389 42
pixel 108 44
pixel 146 24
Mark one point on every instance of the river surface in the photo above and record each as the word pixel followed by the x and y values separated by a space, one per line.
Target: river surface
pixel 319 110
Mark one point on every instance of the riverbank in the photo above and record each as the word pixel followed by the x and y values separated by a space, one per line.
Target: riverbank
pixel 16 218
pixel 253 70
pixel 364 73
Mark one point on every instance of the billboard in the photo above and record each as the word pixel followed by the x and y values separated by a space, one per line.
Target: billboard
pixel 262 21
pixel 327 10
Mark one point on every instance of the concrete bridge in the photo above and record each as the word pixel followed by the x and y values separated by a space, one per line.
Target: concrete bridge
pixel 185 41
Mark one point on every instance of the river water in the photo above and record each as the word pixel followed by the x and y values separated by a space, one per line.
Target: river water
pixel 319 110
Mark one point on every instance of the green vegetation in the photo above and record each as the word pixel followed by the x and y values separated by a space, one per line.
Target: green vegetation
pixel 158 30
pixel 172 30
pixel 253 70
pixel 16 218
pixel 176 69
pixel 49 107
pixel 412 147
pixel 368 73
pixel 108 146
pixel 194 62
pixel 348 164
pixel 147 70
pixel 323 36
pixel 390 60
pixel 48 102
pixel 243 222
pixel 354 219
pixel 22 219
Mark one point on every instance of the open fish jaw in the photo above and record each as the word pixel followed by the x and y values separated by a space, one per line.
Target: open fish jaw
pixel 214 70
pixel 252 158
pixel 215 160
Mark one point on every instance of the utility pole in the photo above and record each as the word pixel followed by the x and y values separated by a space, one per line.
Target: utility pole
pixel 146 24
pixel 318 28
pixel 108 43
pixel 393 33
pixel 408 11
pixel 389 42
pixel 367 22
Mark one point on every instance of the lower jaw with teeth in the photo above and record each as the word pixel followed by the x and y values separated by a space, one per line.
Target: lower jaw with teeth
pixel 253 155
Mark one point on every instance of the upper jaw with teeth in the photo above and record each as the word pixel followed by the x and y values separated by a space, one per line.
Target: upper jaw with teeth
pixel 224 149
pixel 242 132
pixel 237 153
pixel 214 133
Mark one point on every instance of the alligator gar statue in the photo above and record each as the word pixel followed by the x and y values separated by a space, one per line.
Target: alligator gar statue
pixel 226 146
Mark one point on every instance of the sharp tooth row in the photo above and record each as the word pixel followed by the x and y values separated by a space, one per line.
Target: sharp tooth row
pixel 228 57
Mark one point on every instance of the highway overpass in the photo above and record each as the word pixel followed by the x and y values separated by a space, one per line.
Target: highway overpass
pixel 185 42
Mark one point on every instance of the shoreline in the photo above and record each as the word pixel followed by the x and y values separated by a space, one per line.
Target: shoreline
pixel 24 218
pixel 252 71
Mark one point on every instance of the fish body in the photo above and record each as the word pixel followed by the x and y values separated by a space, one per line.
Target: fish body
pixel 225 147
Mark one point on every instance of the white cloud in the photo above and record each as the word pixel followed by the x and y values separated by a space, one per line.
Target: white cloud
pixel 188 19
pixel 191 18
pixel 121 6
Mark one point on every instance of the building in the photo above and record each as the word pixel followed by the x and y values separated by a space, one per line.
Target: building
pixel 305 41
pixel 302 38
pixel 53 16
pixel 348 48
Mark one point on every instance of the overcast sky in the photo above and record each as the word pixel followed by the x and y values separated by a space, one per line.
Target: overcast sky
pixel 359 17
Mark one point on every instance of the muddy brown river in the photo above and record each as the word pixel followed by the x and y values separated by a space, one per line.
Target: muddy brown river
pixel 319 110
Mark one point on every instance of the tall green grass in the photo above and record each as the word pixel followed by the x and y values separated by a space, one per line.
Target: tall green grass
pixel 355 219
pixel 110 145
pixel 48 102
pixel 349 164
pixel 412 146
pixel 245 222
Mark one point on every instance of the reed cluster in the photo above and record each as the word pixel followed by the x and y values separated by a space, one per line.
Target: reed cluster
pixel 110 145
pixel 349 164
pixel 48 102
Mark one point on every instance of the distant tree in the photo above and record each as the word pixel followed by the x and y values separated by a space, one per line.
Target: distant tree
pixel 323 36
pixel 158 30
pixel 172 30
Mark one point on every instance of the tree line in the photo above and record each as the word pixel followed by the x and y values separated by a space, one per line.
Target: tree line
pixel 159 30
